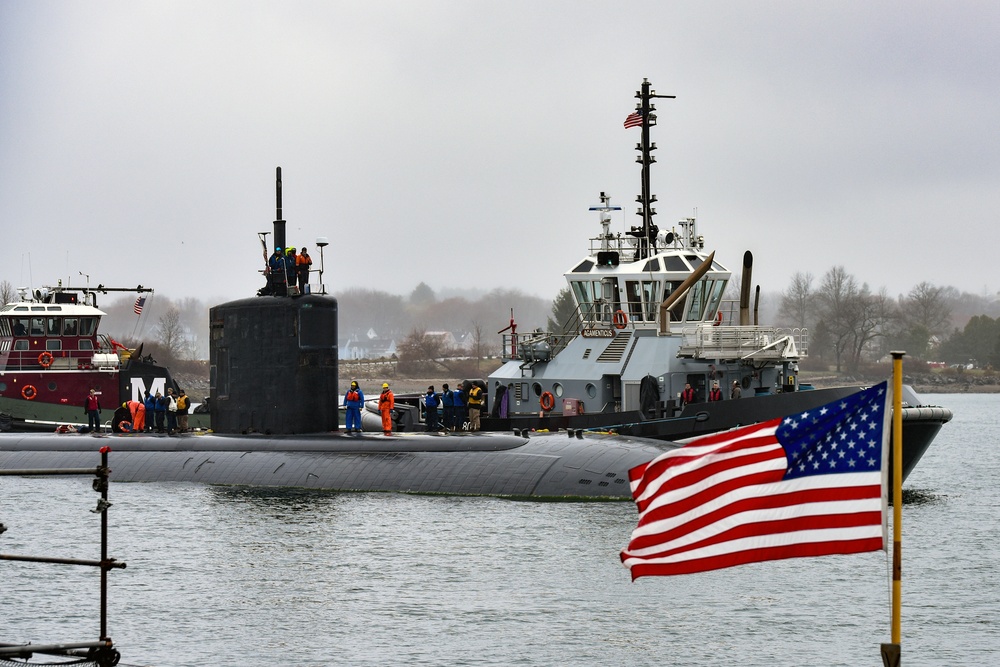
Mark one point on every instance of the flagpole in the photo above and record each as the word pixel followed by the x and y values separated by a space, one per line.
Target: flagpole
pixel 891 652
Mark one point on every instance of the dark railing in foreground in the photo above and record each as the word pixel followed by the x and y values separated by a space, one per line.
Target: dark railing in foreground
pixel 101 652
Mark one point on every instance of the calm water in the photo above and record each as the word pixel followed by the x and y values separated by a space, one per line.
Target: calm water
pixel 225 576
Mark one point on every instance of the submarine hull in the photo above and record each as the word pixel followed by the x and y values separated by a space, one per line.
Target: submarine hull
pixel 542 466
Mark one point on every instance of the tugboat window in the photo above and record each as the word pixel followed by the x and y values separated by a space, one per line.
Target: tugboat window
pixel 699 294
pixel 85 344
pixel 37 326
pixel 675 263
pixel 21 345
pixel 52 326
pixel 53 345
pixel 585 300
pixel 634 300
pixel 651 296
pixel 69 326
pixel 21 326
pixel 88 325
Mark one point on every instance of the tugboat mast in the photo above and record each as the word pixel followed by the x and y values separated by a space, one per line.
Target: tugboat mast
pixel 646 234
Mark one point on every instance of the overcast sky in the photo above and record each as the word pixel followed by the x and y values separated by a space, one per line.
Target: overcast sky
pixel 461 143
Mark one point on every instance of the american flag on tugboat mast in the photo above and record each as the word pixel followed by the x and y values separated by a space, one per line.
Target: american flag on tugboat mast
pixel 634 119
pixel 137 306
pixel 810 484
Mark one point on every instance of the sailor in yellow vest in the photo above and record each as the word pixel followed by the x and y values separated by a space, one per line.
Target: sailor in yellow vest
pixel 475 405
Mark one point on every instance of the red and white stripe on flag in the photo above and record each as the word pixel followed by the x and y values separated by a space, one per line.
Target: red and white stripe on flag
pixel 804 485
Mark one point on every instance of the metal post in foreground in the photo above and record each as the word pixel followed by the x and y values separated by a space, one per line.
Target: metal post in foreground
pixel 891 652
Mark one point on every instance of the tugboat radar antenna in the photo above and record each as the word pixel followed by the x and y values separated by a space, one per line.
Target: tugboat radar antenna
pixel 605 209
pixel 646 234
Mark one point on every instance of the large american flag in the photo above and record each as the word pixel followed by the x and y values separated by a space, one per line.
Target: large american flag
pixel 810 484
pixel 137 306
pixel 634 119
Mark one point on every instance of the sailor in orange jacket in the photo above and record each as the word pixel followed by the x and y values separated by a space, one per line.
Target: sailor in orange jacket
pixel 138 412
pixel 386 402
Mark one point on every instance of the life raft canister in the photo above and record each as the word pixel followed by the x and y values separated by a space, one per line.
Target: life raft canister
pixel 619 319
pixel 45 359
pixel 547 401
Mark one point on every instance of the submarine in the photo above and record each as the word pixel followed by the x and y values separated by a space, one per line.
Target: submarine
pixel 275 422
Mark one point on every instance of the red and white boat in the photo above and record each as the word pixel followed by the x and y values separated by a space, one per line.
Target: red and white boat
pixel 52 353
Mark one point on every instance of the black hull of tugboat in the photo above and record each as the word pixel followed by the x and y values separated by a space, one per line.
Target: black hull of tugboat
pixel 550 466
pixel 920 424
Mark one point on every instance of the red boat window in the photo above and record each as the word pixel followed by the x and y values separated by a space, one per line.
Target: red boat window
pixel 88 325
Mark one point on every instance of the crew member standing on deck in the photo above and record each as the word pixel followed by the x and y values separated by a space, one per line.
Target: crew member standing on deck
pixel 737 392
pixel 687 396
pixel 302 266
pixel 353 400
pixel 475 402
pixel 448 407
pixel 92 406
pixel 386 402
pixel 276 272
pixel 183 403
pixel 290 259
pixel 150 405
pixel 431 401
pixel 715 394
pixel 160 412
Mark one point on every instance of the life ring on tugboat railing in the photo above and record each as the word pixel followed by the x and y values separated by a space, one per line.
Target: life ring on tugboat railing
pixel 29 392
pixel 718 319
pixel 45 359
pixel 619 319
pixel 547 401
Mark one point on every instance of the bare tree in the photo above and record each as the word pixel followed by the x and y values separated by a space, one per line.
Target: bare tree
pixel 836 295
pixel 797 302
pixel 7 293
pixel 477 342
pixel 926 308
pixel 418 352
pixel 170 335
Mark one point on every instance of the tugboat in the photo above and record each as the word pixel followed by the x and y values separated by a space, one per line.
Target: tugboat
pixel 653 335
pixel 52 354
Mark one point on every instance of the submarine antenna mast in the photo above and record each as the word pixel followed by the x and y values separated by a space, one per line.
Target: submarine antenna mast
pixel 279 224
pixel 647 235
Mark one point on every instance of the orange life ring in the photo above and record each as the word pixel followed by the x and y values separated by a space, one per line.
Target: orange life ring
pixel 619 319
pixel 718 318
pixel 45 359
pixel 547 401
pixel 29 392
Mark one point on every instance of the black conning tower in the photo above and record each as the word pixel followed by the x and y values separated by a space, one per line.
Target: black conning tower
pixel 274 361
